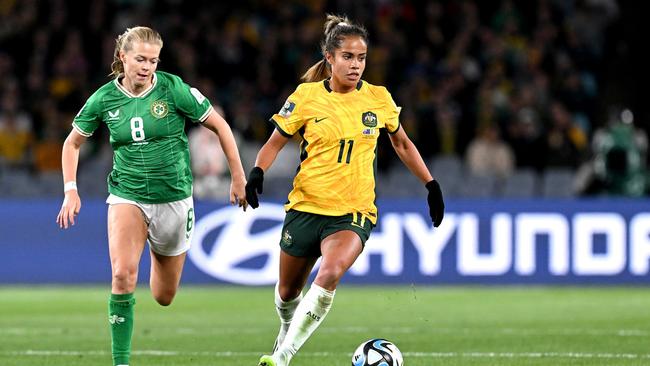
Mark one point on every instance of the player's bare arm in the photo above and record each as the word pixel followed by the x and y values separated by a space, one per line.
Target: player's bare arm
pixel 267 154
pixel 69 160
pixel 218 125
pixel 409 155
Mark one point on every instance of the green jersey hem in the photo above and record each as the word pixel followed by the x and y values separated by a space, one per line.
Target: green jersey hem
pixel 141 199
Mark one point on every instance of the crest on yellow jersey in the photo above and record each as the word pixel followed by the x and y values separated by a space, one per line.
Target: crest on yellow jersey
pixel 369 119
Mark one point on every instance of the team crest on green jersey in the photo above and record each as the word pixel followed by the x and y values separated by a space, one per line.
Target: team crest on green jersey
pixel 159 109
pixel 369 119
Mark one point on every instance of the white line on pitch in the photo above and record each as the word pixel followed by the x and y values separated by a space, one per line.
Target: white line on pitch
pixel 391 330
pixel 581 355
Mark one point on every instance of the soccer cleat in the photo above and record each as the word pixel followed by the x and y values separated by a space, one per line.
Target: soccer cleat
pixel 267 361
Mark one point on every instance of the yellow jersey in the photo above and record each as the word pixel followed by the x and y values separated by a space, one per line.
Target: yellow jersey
pixel 338 151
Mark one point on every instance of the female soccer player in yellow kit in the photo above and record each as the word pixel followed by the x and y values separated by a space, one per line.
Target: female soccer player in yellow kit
pixel 331 209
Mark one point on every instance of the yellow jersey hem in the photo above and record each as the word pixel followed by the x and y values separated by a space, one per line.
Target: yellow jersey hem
pixel 305 207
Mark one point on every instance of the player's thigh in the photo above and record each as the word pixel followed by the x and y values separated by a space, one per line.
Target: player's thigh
pixel 343 240
pixel 294 272
pixel 127 235
pixel 340 250
pixel 170 235
pixel 166 271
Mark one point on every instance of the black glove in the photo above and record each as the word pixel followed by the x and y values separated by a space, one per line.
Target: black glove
pixel 254 186
pixel 436 204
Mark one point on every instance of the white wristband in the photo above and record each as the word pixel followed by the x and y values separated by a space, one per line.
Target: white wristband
pixel 70 186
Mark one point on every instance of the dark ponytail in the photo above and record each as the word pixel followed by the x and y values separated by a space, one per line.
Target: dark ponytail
pixel 336 29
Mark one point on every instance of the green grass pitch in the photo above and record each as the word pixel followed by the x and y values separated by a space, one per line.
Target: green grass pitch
pixel 219 325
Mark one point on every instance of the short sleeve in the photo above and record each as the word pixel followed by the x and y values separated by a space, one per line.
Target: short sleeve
pixel 190 102
pixel 89 117
pixel 391 111
pixel 289 119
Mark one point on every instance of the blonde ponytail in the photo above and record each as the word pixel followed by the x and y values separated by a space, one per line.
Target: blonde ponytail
pixel 124 42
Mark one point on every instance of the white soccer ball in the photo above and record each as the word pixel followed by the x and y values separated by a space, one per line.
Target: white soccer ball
pixel 377 352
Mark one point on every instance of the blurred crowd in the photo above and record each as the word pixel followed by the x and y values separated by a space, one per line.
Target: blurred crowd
pixel 500 85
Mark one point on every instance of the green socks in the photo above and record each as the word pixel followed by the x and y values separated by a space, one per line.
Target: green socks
pixel 120 317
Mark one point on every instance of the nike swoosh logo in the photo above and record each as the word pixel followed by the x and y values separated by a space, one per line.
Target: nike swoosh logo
pixel 318 120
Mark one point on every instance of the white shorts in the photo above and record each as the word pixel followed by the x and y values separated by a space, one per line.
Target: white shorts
pixel 170 225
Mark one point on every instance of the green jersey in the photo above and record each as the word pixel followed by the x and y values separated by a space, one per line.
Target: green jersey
pixel 151 158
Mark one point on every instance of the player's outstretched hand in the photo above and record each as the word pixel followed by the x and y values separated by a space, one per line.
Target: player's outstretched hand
pixel 436 203
pixel 254 186
pixel 238 193
pixel 69 209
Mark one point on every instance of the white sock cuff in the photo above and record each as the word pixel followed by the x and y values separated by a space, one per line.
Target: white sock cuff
pixel 283 304
pixel 322 295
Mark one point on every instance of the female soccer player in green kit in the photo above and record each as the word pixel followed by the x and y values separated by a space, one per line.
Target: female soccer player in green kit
pixel 150 185
pixel 331 210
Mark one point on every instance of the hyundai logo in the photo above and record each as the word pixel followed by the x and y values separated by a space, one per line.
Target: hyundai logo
pixel 223 243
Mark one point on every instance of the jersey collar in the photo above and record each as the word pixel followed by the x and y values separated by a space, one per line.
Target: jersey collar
pixel 121 88
pixel 329 90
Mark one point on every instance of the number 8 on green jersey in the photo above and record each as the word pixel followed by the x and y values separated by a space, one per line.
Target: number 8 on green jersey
pixel 147 133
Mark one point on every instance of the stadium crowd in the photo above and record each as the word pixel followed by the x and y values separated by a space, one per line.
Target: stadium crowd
pixel 500 87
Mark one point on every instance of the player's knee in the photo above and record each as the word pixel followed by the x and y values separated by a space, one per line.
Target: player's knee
pixel 329 276
pixel 288 293
pixel 164 298
pixel 124 279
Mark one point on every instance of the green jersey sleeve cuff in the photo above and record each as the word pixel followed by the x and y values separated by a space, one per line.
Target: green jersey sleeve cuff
pixel 277 127
pixel 206 114
pixel 80 131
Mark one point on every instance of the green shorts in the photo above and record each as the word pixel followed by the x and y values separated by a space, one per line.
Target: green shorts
pixel 303 232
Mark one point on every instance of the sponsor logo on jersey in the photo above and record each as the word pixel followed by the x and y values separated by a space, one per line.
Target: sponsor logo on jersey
pixel 114 115
pixel 159 109
pixel 287 109
pixel 369 132
pixel 369 119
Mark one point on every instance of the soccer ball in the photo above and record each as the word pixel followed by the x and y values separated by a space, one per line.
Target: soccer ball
pixel 377 352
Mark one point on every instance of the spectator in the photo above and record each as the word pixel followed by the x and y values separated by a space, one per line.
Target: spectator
pixel 209 163
pixel 525 137
pixel 488 155
pixel 618 167
pixel 456 65
pixel 565 142
pixel 16 132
